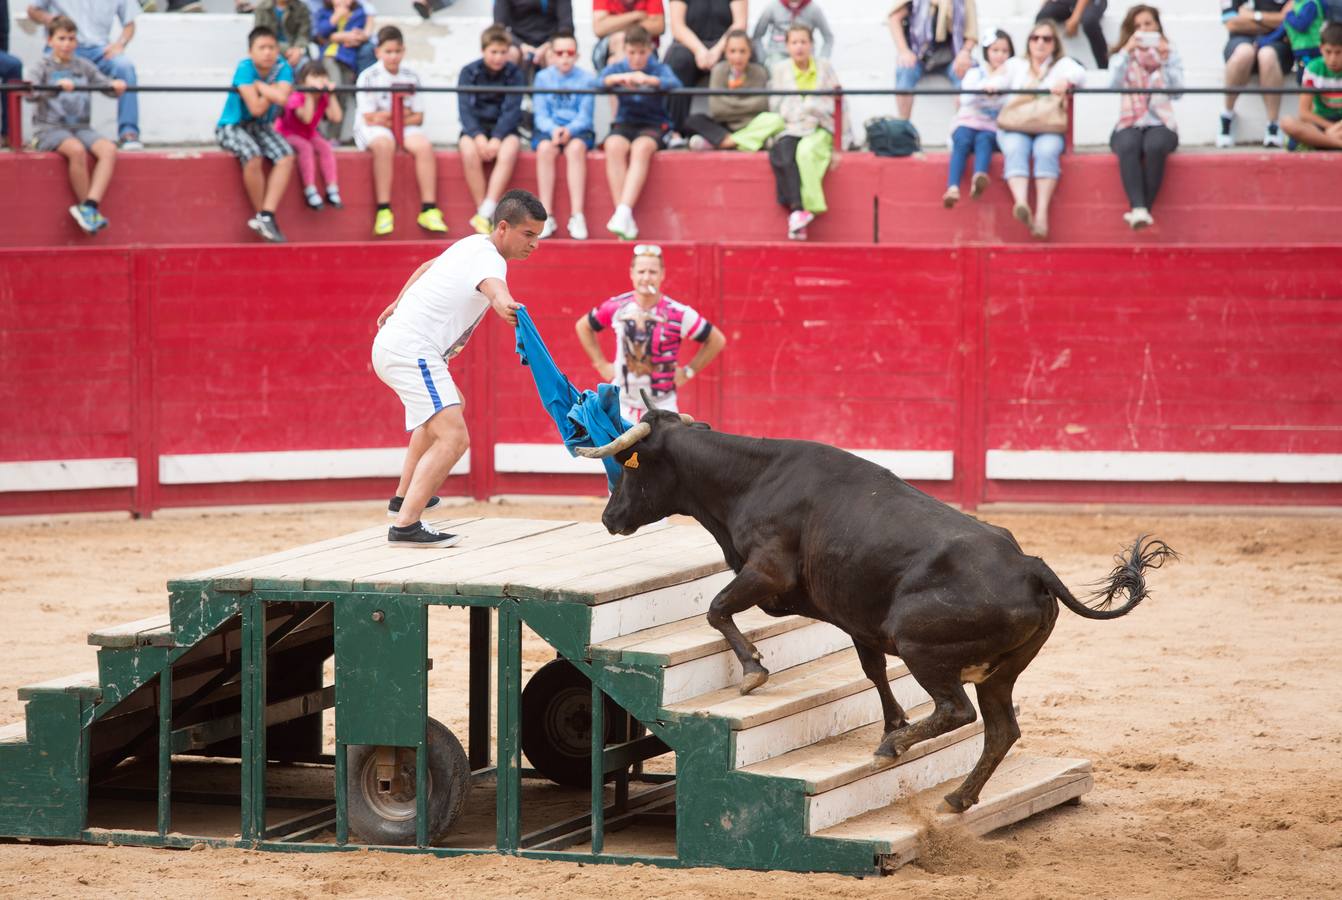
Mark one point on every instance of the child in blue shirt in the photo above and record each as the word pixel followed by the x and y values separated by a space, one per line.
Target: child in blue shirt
pixel 246 129
pixel 642 124
pixel 489 124
pixel 563 122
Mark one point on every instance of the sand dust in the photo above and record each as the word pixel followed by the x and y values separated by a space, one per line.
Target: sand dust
pixel 1210 713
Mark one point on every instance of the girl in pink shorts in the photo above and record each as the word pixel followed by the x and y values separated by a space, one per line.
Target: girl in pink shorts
pixel 302 114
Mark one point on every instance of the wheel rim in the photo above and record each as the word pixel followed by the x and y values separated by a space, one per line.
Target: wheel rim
pixel 396 806
pixel 568 722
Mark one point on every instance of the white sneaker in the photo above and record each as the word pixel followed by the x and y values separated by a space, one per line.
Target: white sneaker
pixel 1272 136
pixel 675 141
pixel 549 227
pixel 1138 218
pixel 577 227
pixel 699 143
pixel 1224 140
pixel 623 226
pixel 797 221
pixel 1224 136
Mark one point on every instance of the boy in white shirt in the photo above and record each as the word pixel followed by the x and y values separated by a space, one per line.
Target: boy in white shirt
pixel 372 132
pixel 428 324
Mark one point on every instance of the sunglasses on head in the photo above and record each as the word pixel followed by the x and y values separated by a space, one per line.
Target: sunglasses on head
pixel 647 250
pixel 1046 38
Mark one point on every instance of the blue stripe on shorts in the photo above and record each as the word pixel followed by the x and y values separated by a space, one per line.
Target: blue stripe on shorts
pixel 428 383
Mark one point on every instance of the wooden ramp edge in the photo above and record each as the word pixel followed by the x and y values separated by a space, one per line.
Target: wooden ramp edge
pixel 1021 787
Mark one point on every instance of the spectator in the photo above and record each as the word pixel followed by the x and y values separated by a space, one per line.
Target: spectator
pixel 1302 22
pixel 1031 126
pixel 11 67
pixel 1246 23
pixel 1146 132
pixel 931 36
pixel 649 327
pixel 726 114
pixel 1080 15
pixel 94 20
pixel 303 112
pixel 341 28
pixel 489 125
pixel 61 121
pixel 1319 124
pixel 699 28
pixel 806 150
pixel 641 127
pixel 564 124
pixel 779 15
pixel 262 81
pixel 372 132
pixel 611 17
pixel 531 24
pixel 974 128
pixel 292 22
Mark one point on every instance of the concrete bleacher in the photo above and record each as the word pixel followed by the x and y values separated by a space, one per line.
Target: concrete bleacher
pixel 202 49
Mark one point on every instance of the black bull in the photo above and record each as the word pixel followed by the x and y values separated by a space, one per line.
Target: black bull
pixel 815 531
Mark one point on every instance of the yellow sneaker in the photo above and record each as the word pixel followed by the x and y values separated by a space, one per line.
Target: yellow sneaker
pixel 432 220
pixel 384 223
pixel 481 224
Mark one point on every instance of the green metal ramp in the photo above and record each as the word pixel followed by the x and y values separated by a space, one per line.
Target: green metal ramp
pixel 216 710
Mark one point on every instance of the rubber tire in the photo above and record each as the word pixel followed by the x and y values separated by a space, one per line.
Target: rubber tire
pixel 448 767
pixel 556 756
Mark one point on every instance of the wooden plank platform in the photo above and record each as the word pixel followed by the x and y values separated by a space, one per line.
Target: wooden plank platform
pixel 1021 787
pixel 498 557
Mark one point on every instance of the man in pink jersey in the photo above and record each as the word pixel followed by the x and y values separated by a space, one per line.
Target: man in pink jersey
pixel 649 327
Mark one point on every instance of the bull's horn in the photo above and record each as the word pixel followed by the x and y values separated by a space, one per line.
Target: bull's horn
pixel 623 442
pixel 647 401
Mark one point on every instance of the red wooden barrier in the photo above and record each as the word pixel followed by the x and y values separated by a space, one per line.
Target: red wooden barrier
pixel 967 369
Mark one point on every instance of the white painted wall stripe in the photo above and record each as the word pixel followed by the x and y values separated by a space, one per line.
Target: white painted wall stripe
pixel 287 465
pixel 67 474
pixel 1062 465
pixel 553 459
pixel 547 459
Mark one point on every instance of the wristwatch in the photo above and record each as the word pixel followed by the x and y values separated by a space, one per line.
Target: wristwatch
pixel 689 373
pixel 1258 16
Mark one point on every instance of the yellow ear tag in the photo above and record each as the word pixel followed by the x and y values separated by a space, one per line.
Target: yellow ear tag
pixel 632 461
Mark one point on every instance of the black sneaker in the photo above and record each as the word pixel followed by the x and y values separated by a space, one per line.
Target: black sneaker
pixel 266 227
pixel 394 504
pixel 420 535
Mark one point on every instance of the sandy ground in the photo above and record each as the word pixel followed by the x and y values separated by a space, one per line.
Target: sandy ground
pixel 1211 715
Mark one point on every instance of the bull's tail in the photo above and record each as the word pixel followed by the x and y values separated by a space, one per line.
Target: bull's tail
pixel 1127 578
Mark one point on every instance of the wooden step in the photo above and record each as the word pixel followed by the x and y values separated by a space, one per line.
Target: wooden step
pixel 14 733
pixel 155 631
pixel 690 638
pixel 687 598
pixel 79 683
pixel 802 705
pixel 844 778
pixel 1022 786
pixel 779 652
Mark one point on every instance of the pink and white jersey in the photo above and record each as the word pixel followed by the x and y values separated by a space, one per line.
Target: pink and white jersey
pixel 647 341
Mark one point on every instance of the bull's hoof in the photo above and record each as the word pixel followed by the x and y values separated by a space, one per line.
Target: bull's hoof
pixel 956 803
pixel 753 680
pixel 889 747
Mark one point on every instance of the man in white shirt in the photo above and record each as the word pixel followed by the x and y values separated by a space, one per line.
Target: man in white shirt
pixel 428 324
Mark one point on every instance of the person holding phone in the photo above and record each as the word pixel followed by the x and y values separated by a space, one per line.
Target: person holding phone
pixel 1146 133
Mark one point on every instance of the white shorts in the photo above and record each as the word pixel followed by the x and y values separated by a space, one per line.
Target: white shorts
pixel 422 383
pixel 365 134
pixel 632 408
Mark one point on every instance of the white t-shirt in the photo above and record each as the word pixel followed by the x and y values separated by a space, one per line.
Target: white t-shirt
pixel 376 76
pixel 442 308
